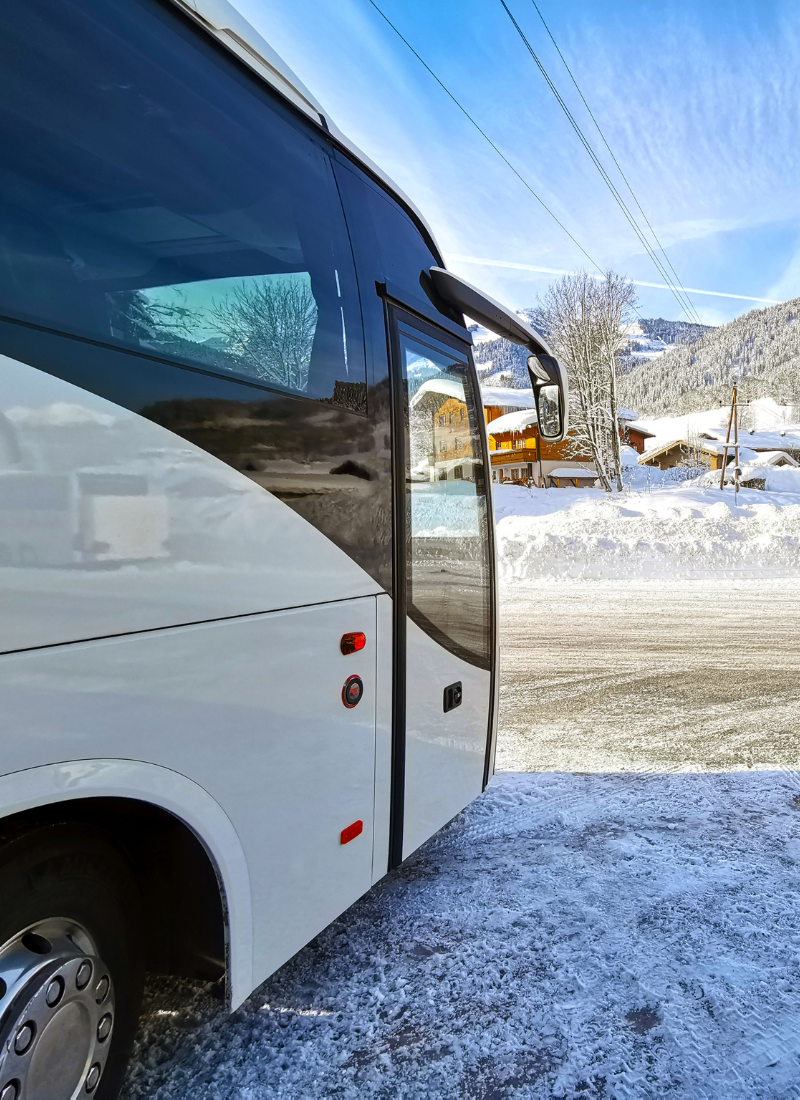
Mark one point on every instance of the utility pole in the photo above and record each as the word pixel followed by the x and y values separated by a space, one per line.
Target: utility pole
pixel 736 470
pixel 727 438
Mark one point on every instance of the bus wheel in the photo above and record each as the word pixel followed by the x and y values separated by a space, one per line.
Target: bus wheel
pixel 71 969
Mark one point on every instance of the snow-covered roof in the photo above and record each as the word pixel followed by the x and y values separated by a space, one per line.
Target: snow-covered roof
pixel 439 387
pixel 572 471
pixel 507 398
pixel 774 458
pixel 714 446
pixel 512 422
pixel 760 440
pixel 627 414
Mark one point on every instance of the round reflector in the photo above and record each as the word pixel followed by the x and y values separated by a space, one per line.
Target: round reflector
pixel 352 691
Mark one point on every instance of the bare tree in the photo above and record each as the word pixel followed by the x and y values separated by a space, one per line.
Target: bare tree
pixel 584 318
pixel 270 323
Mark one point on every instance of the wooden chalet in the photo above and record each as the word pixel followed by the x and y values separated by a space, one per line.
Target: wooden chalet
pixel 519 456
pixel 679 452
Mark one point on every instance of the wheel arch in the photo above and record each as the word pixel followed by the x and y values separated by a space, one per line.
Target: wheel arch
pixel 180 843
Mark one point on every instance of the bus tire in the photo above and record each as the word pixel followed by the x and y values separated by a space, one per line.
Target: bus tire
pixel 70 920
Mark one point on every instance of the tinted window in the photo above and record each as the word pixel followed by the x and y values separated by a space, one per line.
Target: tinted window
pixel 154 196
pixel 447 516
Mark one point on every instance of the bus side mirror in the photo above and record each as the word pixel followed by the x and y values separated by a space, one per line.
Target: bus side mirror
pixel 549 384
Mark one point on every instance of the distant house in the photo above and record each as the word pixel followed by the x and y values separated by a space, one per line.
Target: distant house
pixel 631 433
pixel 447 431
pixel 680 452
pixel 519 456
pixel 775 458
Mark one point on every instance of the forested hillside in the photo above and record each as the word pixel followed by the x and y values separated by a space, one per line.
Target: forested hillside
pixel 761 349
pixel 672 332
pixel 649 337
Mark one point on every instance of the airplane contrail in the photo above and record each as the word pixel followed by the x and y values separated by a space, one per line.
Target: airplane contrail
pixel 636 282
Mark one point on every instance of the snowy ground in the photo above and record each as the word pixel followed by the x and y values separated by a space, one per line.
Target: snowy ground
pixel 567 936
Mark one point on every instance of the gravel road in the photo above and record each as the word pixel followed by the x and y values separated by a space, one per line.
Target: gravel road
pixel 621 676
pixel 584 929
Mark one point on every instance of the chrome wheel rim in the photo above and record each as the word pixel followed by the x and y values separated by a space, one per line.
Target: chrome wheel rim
pixel 56 1013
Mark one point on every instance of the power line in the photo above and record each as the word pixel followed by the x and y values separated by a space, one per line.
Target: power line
pixel 486 137
pixel 611 154
pixel 686 306
pixel 684 303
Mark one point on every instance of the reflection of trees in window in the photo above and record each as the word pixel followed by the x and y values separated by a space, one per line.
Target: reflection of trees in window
pixel 270 324
pixel 263 327
pixel 136 317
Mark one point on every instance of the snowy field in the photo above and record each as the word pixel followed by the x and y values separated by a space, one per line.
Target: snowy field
pixel 619 914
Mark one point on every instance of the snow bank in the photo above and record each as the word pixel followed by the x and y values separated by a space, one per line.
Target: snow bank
pixel 687 530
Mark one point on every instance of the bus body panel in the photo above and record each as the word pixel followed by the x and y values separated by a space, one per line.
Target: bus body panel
pixel 229 528
pixel 51 784
pixel 251 711
pixel 183 537
pixel 445 752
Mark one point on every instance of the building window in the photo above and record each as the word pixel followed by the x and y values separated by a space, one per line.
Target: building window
pixel 458 472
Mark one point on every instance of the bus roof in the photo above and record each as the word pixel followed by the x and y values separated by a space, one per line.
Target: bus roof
pixel 229 27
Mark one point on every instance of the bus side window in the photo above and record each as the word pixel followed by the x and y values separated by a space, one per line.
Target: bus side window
pixel 166 202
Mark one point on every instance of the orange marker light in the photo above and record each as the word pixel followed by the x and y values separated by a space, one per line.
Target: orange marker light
pixel 351 832
pixel 351 643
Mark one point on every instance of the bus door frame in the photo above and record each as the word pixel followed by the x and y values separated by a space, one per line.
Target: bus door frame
pixel 422 315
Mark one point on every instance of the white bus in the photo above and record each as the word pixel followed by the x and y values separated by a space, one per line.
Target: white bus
pixel 246 561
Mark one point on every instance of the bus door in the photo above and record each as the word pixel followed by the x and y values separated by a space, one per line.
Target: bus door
pixel 444 645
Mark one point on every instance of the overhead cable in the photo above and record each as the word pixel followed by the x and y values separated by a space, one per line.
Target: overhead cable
pixel 611 154
pixel 685 305
pixel 486 137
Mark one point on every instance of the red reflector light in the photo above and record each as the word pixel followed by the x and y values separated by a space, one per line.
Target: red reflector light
pixel 351 643
pixel 352 831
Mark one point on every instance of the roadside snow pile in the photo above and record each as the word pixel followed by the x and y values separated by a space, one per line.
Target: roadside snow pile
pixel 687 530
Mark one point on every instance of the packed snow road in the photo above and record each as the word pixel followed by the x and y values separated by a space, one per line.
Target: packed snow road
pixel 569 935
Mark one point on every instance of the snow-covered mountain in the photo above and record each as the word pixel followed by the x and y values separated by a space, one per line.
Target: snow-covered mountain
pixel 501 363
pixel 650 337
pixel 761 349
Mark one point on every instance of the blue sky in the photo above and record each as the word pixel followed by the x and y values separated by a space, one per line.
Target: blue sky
pixel 699 99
